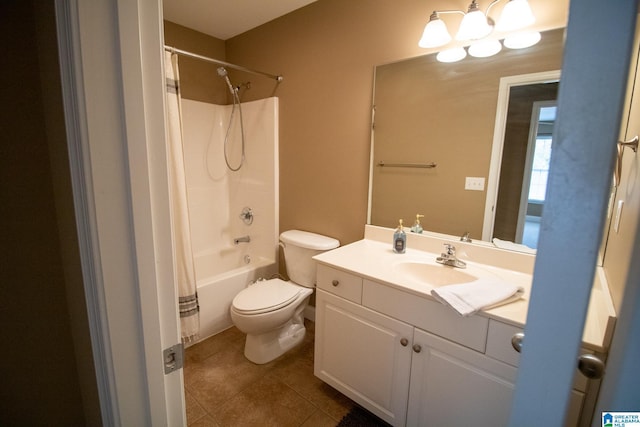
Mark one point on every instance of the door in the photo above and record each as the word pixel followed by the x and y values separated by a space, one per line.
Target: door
pixel 594 77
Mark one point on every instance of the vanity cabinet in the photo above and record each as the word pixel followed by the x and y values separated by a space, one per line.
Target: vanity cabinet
pixel 412 361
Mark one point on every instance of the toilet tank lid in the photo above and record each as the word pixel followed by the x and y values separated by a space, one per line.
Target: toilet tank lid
pixel 305 239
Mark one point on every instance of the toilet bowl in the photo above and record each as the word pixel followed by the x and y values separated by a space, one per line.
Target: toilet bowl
pixel 270 312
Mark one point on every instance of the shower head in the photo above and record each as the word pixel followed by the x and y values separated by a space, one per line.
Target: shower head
pixel 222 72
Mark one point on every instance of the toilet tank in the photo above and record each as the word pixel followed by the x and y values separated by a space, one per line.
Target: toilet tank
pixel 299 248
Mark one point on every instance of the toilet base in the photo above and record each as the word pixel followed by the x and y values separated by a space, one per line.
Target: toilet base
pixel 264 348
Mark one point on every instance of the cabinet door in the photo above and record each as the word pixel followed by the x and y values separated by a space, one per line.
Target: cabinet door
pixel 364 355
pixel 454 386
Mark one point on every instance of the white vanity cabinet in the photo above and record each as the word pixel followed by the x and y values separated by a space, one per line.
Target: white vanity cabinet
pixel 363 354
pixel 410 360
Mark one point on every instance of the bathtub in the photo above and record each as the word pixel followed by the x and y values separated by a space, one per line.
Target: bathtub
pixel 215 292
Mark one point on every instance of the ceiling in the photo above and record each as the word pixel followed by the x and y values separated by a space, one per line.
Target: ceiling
pixel 224 19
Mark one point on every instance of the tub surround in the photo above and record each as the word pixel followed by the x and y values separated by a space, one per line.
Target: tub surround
pixel 372 258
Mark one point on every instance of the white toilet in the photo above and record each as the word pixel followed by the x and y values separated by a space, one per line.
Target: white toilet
pixel 270 312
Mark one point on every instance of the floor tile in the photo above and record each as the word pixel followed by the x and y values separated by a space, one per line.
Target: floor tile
pixel 224 389
pixel 268 402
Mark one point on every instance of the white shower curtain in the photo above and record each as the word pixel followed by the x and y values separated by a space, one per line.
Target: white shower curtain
pixel 185 271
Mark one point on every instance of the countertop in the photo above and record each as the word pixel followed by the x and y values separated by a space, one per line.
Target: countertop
pixel 373 258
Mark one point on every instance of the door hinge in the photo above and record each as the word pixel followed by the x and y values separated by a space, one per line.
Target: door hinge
pixel 173 358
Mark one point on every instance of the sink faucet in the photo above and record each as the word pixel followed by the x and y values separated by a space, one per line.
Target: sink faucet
pixel 449 257
pixel 466 237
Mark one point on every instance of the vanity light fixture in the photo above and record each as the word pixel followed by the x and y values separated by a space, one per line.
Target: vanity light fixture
pixel 484 48
pixel 451 55
pixel 477 25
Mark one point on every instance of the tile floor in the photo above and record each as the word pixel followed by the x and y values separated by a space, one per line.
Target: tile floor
pixel 225 389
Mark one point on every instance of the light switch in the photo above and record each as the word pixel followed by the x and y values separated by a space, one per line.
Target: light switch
pixel 474 183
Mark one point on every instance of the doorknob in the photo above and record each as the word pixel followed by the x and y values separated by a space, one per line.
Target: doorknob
pixel 591 366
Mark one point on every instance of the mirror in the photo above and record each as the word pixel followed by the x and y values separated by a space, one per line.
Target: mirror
pixel 429 113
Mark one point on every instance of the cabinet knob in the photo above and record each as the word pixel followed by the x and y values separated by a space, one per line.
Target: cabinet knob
pixel 335 282
pixel 417 348
pixel 404 342
pixel 516 341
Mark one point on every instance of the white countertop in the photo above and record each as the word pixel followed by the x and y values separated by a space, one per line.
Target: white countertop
pixel 374 259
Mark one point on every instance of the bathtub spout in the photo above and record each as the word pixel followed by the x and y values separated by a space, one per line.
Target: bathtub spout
pixel 243 239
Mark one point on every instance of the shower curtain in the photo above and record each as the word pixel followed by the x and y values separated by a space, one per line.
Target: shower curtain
pixel 185 270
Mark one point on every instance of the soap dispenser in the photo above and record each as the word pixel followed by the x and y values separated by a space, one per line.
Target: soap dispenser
pixel 416 227
pixel 399 239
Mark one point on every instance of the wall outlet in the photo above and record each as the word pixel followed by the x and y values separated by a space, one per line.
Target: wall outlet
pixel 474 183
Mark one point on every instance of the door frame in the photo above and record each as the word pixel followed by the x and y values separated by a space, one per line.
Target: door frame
pixel 500 126
pixel 113 93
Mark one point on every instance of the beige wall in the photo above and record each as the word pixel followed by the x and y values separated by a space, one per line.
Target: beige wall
pixel 326 52
pixel 620 243
pixel 198 79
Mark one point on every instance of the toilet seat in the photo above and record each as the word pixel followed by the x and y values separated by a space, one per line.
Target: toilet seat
pixel 265 296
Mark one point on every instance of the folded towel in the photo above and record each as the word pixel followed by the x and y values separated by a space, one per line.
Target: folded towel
pixel 505 244
pixel 469 298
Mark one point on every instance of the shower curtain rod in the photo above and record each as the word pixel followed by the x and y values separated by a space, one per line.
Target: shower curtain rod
pixel 277 78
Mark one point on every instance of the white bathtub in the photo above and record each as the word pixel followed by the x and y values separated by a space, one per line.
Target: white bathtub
pixel 215 293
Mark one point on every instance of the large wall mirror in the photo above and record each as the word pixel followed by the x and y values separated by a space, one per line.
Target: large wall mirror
pixel 429 113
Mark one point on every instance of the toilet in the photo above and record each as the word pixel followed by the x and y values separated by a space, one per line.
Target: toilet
pixel 270 312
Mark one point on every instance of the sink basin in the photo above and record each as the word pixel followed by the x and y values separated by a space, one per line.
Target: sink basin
pixel 433 274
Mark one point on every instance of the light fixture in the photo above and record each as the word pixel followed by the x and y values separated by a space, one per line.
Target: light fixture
pixel 435 33
pixel 476 25
pixel 484 48
pixel 515 15
pixel 522 40
pixel 452 55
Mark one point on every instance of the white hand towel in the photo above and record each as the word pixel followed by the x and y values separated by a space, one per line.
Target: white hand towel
pixel 505 244
pixel 469 298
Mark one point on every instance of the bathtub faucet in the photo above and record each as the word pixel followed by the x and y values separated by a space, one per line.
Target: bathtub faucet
pixel 243 239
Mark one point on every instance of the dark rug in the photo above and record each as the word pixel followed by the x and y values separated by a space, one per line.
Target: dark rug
pixel 359 417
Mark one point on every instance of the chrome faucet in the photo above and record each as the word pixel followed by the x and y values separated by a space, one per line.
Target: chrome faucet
pixel 466 237
pixel 449 257
pixel 243 239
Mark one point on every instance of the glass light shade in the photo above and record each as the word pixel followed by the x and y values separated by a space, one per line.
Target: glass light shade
pixel 522 40
pixel 474 26
pixel 516 14
pixel 484 48
pixel 452 55
pixel 435 34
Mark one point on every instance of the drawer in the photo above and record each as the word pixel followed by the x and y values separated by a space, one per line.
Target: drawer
pixel 499 342
pixel 499 347
pixel 426 314
pixel 340 283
